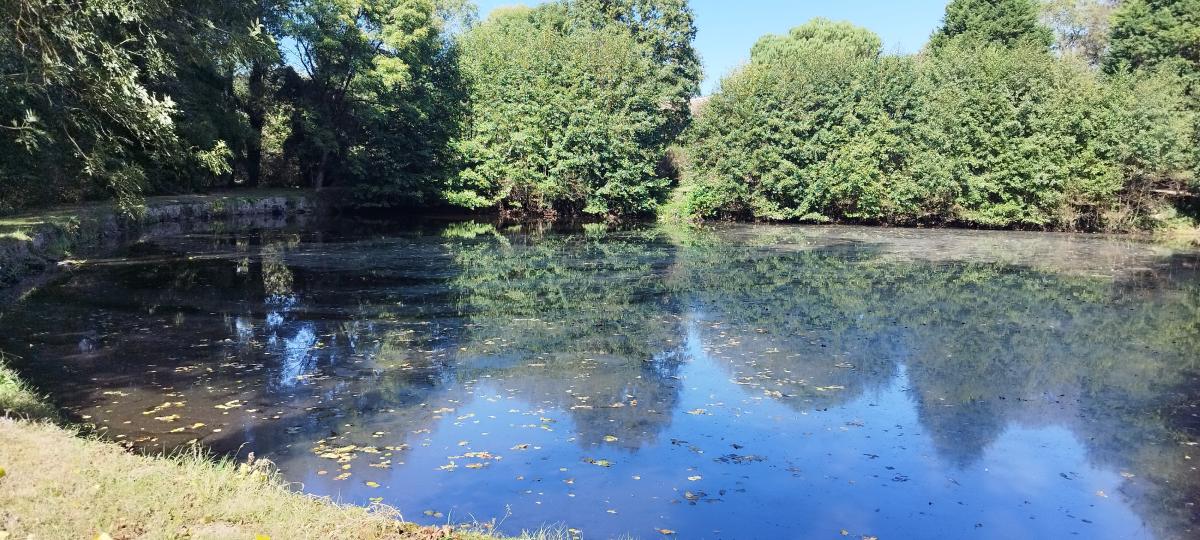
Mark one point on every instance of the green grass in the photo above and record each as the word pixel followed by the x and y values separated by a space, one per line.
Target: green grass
pixel 18 399
pixel 1179 232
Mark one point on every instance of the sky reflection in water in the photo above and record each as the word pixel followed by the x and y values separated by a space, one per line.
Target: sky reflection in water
pixel 747 382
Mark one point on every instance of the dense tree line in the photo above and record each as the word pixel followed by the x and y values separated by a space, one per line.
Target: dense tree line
pixel 986 126
pixel 566 108
pixel 116 98
pixel 1018 113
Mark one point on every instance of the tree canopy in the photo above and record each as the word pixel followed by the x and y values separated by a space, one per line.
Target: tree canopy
pixel 573 105
pixel 1011 23
pixel 1018 113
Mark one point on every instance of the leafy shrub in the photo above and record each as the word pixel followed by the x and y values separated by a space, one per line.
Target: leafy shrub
pixel 570 113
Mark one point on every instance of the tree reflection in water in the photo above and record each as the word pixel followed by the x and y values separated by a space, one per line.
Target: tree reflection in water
pixel 536 353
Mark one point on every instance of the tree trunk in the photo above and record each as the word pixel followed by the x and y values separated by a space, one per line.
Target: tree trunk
pixel 319 177
pixel 257 112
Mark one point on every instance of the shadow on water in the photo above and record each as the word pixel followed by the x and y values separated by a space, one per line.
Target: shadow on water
pixel 747 381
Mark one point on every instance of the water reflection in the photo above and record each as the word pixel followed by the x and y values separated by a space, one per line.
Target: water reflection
pixel 741 382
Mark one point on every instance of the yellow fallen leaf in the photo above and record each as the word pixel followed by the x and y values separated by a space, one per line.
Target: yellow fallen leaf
pixel 232 404
pixel 665 531
pixel 372 484
pixel 261 537
pixel 610 438
pixel 2 473
pixel 694 478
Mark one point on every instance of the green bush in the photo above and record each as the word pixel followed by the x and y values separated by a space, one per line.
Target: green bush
pixel 570 113
pixel 813 128
pixel 1016 134
pixel 975 133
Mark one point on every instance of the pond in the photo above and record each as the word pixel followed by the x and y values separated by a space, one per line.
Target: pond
pixel 735 382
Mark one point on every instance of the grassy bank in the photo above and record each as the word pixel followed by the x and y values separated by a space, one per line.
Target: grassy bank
pixel 18 400
pixel 56 484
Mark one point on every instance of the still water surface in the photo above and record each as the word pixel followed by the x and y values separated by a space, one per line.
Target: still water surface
pixel 742 382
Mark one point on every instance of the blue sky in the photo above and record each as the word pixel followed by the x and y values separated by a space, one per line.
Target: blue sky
pixel 728 28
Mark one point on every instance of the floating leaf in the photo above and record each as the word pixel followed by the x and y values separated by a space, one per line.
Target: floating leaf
pixel 694 478
pixel 232 404
pixel 372 484
pixel 610 438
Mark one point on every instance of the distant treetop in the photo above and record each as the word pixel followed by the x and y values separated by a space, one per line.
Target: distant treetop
pixel 1010 23
pixel 820 35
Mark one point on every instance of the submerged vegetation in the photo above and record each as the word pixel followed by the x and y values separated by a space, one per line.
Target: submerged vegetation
pixel 1018 113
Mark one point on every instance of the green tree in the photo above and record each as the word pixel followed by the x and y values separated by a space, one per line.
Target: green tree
pixel 1015 134
pixel 666 30
pixel 1081 27
pixel 1148 33
pixel 823 36
pixel 354 55
pixel 117 99
pixel 815 127
pixel 572 107
pixel 78 116
pixel 1158 35
pixel 1010 23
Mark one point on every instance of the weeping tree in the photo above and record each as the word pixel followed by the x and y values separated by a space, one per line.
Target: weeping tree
pixel 117 98
pixel 78 116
